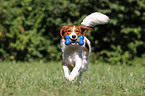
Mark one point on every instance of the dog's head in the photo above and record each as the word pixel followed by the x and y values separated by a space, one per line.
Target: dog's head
pixel 73 31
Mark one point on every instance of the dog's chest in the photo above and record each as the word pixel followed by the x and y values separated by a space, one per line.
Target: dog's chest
pixel 72 56
pixel 73 53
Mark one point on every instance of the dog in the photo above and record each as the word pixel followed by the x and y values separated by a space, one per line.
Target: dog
pixel 75 57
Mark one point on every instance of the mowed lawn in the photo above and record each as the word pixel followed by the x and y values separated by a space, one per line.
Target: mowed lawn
pixel 46 79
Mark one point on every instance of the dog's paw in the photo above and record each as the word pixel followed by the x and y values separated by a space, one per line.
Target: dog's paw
pixel 71 78
pixel 79 83
pixel 67 77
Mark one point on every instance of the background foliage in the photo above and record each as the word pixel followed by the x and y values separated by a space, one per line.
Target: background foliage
pixel 29 29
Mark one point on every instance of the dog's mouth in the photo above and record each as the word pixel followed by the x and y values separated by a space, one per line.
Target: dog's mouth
pixel 73 41
pixel 73 44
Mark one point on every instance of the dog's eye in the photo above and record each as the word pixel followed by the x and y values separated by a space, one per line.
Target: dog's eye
pixel 68 31
pixel 77 32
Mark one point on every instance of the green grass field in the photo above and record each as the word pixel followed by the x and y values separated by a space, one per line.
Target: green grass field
pixel 46 79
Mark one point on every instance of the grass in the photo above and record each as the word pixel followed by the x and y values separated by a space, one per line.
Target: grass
pixel 46 79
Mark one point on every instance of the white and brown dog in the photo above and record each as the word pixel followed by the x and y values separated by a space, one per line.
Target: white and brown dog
pixel 75 57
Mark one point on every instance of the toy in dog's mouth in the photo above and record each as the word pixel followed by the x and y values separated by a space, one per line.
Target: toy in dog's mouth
pixel 71 41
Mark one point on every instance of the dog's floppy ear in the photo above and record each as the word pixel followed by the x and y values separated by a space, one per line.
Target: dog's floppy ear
pixel 84 29
pixel 62 31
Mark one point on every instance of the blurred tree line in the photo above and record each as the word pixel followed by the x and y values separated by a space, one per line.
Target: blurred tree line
pixel 29 29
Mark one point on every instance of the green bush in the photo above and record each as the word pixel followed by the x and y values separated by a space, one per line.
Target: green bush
pixel 24 31
pixel 29 29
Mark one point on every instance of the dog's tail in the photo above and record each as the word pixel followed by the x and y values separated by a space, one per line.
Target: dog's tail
pixel 95 19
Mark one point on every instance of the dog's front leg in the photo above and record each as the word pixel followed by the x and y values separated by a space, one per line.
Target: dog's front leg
pixel 66 72
pixel 75 70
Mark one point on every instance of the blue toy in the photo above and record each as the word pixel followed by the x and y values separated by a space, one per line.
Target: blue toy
pixel 79 40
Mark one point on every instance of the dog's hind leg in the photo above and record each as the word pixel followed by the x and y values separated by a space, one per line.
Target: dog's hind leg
pixel 80 77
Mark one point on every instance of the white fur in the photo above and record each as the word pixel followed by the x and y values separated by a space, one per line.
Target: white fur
pixel 95 19
pixel 73 33
pixel 75 56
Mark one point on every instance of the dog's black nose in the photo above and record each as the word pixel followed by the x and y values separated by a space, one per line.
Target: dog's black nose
pixel 73 36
